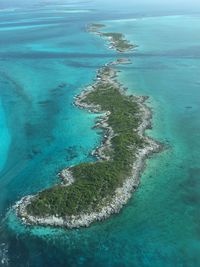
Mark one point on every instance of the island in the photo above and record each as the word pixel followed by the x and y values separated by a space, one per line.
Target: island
pixel 91 192
pixel 116 40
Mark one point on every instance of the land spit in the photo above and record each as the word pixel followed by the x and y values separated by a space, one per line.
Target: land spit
pixel 106 76
pixel 123 193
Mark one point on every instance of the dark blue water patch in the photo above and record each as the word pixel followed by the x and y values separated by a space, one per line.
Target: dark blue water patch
pixel 83 64
pixel 71 153
pixel 66 43
pixel 71 254
pixel 193 180
pixel 187 53
pixel 52 55
pixel 12 96
pixel 190 188
pixel 44 103
pixel 41 33
pixel 60 6
pixel 191 199
pixel 31 23
pixel 33 130
pixel 7 82
pixel 145 66
pixel 69 19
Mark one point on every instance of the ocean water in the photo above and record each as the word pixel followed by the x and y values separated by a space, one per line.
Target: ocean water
pixel 46 58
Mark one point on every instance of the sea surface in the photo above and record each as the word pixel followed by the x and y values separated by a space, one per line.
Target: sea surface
pixel 47 57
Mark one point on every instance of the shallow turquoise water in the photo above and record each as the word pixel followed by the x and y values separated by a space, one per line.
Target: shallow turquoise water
pixel 42 68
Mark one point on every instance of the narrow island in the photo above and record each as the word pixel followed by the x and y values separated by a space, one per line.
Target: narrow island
pixel 93 191
pixel 116 40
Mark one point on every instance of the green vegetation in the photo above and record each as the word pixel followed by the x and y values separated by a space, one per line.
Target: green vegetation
pixel 95 183
pixel 97 25
pixel 118 40
pixel 121 44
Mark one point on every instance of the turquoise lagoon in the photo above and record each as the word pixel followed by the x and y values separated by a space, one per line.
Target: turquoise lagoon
pixel 46 58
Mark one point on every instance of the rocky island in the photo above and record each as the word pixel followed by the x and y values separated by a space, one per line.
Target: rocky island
pixel 93 191
pixel 116 40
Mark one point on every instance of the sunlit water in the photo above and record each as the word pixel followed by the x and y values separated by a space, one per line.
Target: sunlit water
pixel 46 58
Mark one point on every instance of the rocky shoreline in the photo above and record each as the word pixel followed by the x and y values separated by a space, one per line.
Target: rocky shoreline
pixel 116 40
pixel 122 194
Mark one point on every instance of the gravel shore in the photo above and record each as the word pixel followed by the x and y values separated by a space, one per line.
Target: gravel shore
pixel 122 194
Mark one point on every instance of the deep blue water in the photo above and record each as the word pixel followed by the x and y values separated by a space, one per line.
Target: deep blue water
pixel 46 58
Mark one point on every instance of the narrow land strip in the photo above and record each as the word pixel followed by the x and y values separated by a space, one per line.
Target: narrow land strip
pixel 93 191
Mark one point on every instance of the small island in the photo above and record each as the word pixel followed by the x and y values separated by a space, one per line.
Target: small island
pixel 116 40
pixel 93 191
